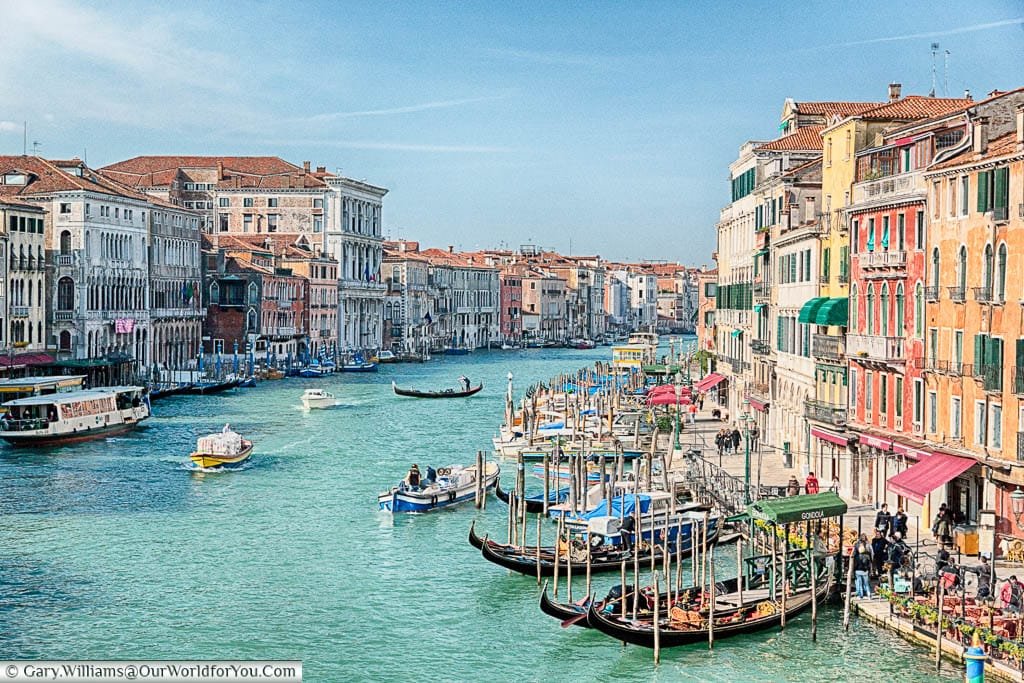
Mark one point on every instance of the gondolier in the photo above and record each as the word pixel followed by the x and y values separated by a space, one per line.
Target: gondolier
pixel 465 382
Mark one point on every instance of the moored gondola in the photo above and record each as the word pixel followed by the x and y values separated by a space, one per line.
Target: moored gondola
pixel 446 393
pixel 535 504
pixel 683 627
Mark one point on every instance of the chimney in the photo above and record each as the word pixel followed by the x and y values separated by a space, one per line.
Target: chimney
pixel 894 91
pixel 220 170
pixel 979 134
pixel 305 166
pixel 321 169
pixel 451 249
pixel 967 95
pixel 1020 125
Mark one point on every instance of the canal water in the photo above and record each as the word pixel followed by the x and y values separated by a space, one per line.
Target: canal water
pixel 113 549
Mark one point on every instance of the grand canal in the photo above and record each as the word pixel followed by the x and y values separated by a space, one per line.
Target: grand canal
pixel 114 550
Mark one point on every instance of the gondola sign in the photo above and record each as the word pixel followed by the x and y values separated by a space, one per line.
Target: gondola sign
pixel 798 508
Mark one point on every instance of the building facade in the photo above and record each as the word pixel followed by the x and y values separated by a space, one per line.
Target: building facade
pixel 23 295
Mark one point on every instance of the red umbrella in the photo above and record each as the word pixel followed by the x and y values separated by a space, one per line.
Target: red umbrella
pixel 667 399
pixel 668 389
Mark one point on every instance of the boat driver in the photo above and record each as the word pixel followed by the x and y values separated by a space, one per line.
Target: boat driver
pixel 413 478
pixel 465 382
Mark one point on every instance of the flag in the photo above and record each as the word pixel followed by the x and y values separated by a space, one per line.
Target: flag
pixel 184 292
pixel 366 272
pixel 427 319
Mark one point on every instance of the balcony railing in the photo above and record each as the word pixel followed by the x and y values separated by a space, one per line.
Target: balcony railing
pixel 64 259
pixel 63 316
pixel 826 346
pixel 889 188
pixel 19 311
pixel 823 411
pixel 958 294
pixel 941 367
pixel 738 364
pixel 844 278
pixel 983 294
pixel 1020 446
pixel 991 376
pixel 889 349
pixel 931 293
pixel 884 259
pixel 760 347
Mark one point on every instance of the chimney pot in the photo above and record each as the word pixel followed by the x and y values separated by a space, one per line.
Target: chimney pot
pixel 894 91
pixel 967 94
pixel 980 134
pixel 220 169
pixel 321 169
pixel 305 166
pixel 1020 125
pixel 451 249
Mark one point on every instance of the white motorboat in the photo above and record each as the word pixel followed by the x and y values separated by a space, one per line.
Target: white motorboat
pixel 318 398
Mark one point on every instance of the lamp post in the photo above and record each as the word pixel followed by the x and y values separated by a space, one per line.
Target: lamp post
pixel 679 391
pixel 746 419
pixel 1017 504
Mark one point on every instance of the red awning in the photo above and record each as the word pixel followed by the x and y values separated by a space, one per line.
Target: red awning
pixel 923 477
pixel 668 389
pixel 664 399
pixel 824 435
pixel 21 359
pixel 709 382
pixel 893 446
pixel 757 404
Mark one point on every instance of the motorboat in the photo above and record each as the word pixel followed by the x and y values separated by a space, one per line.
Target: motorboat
pixel 451 486
pixel 224 450
pixel 318 398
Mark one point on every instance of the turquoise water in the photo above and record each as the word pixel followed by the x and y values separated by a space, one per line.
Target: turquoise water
pixel 113 550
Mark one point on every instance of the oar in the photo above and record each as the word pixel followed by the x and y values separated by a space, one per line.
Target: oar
pixel 573 620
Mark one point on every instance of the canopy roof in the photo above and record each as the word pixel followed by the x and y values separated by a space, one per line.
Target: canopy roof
pixel 926 475
pixel 798 508
pixel 810 309
pixel 833 312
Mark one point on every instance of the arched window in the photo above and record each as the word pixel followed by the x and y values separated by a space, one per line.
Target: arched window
pixel 250 323
pixel 1001 273
pixel 961 268
pixel 65 341
pixel 870 312
pixel 883 311
pixel 853 307
pixel 918 310
pixel 900 321
pixel 214 293
pixel 65 242
pixel 65 294
pixel 935 267
pixel 986 270
pixel 254 293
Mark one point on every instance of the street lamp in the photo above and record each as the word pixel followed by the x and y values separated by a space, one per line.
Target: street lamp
pixel 1017 503
pixel 679 391
pixel 745 420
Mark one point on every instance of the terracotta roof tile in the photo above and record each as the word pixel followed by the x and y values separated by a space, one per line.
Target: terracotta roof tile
pixel 806 138
pixel 916 107
pixel 246 172
pixel 1004 145
pixel 830 109
pixel 45 178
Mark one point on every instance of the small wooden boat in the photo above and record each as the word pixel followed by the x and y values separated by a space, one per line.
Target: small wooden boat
pixel 454 485
pixel 273 373
pixel 225 450
pixel 754 614
pixel 387 357
pixel 446 393
pixel 318 398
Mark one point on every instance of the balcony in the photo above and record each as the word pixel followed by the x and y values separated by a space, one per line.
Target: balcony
pixel 941 367
pixel 739 365
pixel 844 278
pixel 1018 379
pixel 872 347
pixel 983 295
pixel 958 294
pixel 282 331
pixel 760 290
pixel 63 316
pixel 931 294
pixel 760 347
pixel 991 376
pixel 888 189
pixel 826 346
pixel 883 259
pixel 759 391
pixel 19 311
pixel 829 413
pixel 326 332
pixel 1020 446
pixel 64 259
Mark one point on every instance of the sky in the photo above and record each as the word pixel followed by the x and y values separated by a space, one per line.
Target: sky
pixel 593 128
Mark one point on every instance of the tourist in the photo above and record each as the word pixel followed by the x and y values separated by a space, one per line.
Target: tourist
pixel 898 551
pixel 735 440
pixel 883 520
pixel 793 488
pixel 861 569
pixel 412 479
pixel 942 527
pixel 984 572
pixel 692 410
pixel 941 560
pixel 1012 594
pixel 431 476
pixel 755 433
pixel 700 401
pixel 834 488
pixel 879 552
pixel 811 483
pixel 720 442
pixel 899 522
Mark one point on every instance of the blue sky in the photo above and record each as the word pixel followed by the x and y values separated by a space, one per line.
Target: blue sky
pixel 605 126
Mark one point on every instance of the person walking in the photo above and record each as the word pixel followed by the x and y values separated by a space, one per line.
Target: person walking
pixel 862 569
pixel 984 572
pixel 941 527
pixel 811 483
pixel 720 442
pixel 899 522
pixel 735 440
pixel 692 410
pixel 883 520
pixel 755 434
pixel 793 488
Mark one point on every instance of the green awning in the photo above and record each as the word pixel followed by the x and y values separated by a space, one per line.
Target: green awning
pixel 736 333
pixel 759 307
pixel 762 252
pixel 833 312
pixel 798 508
pixel 809 309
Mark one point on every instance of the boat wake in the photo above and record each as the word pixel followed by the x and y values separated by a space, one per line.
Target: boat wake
pixel 192 467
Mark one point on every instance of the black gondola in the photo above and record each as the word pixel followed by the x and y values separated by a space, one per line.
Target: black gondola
pixel 535 504
pixel 447 393
pixel 641 631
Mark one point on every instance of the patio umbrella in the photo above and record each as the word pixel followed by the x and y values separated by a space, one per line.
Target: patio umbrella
pixel 664 399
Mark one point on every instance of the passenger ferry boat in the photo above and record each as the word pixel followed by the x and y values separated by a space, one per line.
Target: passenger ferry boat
pixel 72 416
pixel 25 387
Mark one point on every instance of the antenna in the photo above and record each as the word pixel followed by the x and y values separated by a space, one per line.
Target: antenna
pixel 35 147
pixel 945 75
pixel 24 140
pixel 935 52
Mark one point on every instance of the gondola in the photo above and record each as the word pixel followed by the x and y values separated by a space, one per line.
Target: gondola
pixel 447 393
pixel 535 504
pixel 728 622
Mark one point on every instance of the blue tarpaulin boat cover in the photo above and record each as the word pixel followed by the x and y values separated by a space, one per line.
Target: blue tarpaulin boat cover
pixel 622 506
pixel 552 425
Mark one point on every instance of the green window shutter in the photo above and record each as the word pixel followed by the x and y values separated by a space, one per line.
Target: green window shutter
pixel 983 180
pixel 792 267
pixel 979 352
pixel 844 261
pixel 825 258
pixel 1002 190
pixel 773 209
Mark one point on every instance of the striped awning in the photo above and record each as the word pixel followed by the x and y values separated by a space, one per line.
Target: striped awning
pixel 810 309
pixel 833 312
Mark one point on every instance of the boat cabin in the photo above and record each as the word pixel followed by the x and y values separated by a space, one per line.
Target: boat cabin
pixel 26 387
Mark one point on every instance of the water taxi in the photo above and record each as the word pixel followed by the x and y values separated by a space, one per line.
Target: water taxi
pixel 226 450
pixel 317 398
pixel 451 486
pixel 52 419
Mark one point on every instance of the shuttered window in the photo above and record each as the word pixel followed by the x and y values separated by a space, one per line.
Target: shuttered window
pixel 984 198
pixel 1001 193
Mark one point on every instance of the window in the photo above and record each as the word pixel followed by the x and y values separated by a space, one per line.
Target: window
pixel 898 398
pixel 318 203
pixel 223 222
pixel 935 268
pixel 247 202
pixel 247 223
pixel 919 311
pixel 855 236
pixel 272 219
pixel 885 232
pixel 933 343
pixel 937 199
pixel 883 311
pixel 965 184
pixel 980 428
pixel 993 192
pixel 871 235
pixel 958 350
pixel 65 294
pixel 899 320
pixel 869 391
pixel 318 224
pixel 961 268
pixel 853 389
pixel 65 207
pixel 883 395
pixel 825 258
pixel 933 412
pixel 853 306
pixel 919 230
pixel 986 269
pixel 901 232
pixel 1001 273
pixel 952 197
pixel 955 417
pixel 224 202
pixel 870 312
pixel 272 202
pixel 996 425
pixel 918 403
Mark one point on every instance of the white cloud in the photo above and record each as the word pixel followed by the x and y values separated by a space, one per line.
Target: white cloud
pixel 10 127
pixel 412 108
pixel 394 146
pixel 928 34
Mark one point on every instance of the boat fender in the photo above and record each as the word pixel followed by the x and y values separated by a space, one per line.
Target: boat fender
pixel 433 500
pixel 451 496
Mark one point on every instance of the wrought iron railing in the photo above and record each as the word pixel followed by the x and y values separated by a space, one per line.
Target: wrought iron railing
pixel 931 293
pixel 828 346
pixel 822 411
pixel 958 294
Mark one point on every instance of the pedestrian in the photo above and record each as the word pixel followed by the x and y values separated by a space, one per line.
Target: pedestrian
pixel 626 532
pixel 720 443
pixel 861 569
pixel 736 440
pixel 984 572
pixel 700 401
pixel 1012 594
pixel 834 488
pixel 883 520
pixel 879 552
pixel 811 483
pixel 941 527
pixel 898 550
pixel 693 413
pixel 899 522
pixel 755 434
pixel 793 488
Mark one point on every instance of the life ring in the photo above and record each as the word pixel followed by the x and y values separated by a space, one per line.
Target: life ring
pixel 444 471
